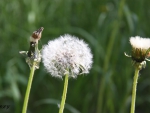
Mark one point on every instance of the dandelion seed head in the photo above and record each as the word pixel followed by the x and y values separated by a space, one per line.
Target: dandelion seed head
pixel 67 55
pixel 140 48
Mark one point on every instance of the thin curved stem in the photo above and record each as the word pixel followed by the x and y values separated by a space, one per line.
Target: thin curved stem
pixel 134 90
pixel 64 95
pixel 28 89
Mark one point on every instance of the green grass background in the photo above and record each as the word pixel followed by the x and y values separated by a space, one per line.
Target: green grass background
pixel 105 25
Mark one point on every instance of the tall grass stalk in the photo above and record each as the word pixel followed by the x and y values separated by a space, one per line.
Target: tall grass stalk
pixel 107 57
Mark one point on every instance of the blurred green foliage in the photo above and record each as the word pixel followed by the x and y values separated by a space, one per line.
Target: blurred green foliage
pixel 105 25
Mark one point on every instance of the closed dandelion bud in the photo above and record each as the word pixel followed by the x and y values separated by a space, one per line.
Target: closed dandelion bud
pixel 140 50
pixel 67 55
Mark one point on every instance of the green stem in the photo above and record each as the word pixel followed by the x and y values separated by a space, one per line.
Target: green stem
pixel 64 95
pixel 134 90
pixel 28 89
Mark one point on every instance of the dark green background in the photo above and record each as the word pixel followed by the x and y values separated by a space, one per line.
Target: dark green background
pixel 105 25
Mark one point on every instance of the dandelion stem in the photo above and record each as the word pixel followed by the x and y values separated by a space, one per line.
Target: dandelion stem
pixel 134 90
pixel 28 89
pixel 64 95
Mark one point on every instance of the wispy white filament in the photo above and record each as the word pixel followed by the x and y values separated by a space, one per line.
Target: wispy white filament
pixel 139 42
pixel 67 54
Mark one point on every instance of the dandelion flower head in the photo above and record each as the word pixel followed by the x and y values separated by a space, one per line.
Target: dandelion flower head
pixel 67 55
pixel 140 48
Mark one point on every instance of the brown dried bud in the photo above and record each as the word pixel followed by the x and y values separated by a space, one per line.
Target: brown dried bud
pixel 37 34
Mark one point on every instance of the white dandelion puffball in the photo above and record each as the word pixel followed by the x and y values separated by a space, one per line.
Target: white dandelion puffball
pixel 67 55
pixel 139 42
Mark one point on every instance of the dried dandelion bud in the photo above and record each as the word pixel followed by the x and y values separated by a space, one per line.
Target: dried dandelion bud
pixel 36 35
pixel 33 54
pixel 67 54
